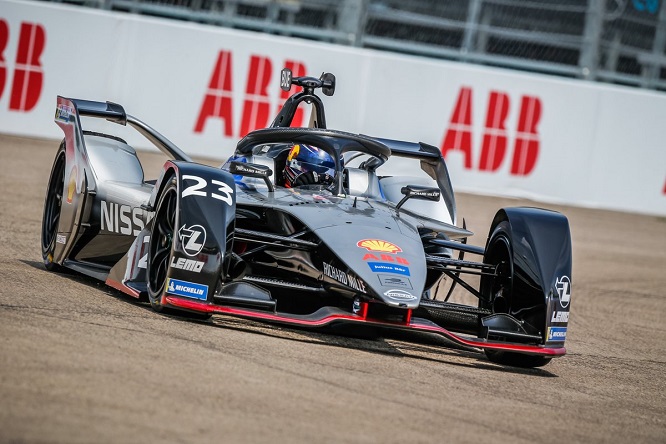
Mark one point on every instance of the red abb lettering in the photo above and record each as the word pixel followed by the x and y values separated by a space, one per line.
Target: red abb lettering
pixel 495 140
pixel 494 135
pixel 459 134
pixel 527 140
pixel 217 102
pixel 28 75
pixel 256 107
pixel 4 38
pixel 298 70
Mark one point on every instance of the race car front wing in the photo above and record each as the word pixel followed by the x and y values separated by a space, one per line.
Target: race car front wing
pixel 327 316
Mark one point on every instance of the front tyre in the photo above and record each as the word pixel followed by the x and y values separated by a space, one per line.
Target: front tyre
pixel 52 210
pixel 498 293
pixel 160 244
pixel 159 252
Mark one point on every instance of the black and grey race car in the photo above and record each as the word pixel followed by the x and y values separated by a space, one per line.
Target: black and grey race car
pixel 376 246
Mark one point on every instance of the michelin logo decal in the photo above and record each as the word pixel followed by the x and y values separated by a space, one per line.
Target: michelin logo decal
pixel 557 333
pixel 187 289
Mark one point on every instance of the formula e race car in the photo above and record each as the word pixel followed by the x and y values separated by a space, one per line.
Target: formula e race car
pixel 308 227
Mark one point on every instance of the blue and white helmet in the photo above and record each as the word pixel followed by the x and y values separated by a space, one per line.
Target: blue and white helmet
pixel 308 165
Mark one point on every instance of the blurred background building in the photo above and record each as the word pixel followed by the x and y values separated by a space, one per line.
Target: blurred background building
pixel 614 41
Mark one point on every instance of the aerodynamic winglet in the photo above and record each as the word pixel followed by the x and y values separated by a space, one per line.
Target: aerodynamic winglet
pixel 110 111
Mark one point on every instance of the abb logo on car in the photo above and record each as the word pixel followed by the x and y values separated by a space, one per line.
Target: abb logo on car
pixel 495 140
pixel 28 76
pixel 218 102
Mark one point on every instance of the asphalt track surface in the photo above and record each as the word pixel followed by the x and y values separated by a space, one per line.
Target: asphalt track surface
pixel 80 362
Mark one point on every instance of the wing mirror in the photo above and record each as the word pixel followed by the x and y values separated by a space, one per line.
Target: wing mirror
pixel 252 170
pixel 371 164
pixel 418 192
pixel 327 83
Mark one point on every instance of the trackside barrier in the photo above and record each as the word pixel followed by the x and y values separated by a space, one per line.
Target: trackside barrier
pixel 502 132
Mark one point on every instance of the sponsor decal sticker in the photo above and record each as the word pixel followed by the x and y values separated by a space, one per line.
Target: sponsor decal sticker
pixel 344 278
pixel 379 245
pixel 400 295
pixel 560 316
pixel 425 193
pixel 186 264
pixel 385 258
pixel 187 289
pixel 387 280
pixel 61 239
pixel 563 287
pixel 356 305
pixel 192 239
pixel 383 267
pixel 557 333
pixel 123 219
pixel 63 113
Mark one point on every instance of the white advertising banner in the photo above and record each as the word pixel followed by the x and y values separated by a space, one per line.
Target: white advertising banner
pixel 501 132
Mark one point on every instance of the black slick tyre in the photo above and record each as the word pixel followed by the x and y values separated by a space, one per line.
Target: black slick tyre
pixel 160 244
pixel 52 209
pixel 159 251
pixel 499 291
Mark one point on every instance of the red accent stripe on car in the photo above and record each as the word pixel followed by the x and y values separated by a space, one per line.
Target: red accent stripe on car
pixel 122 287
pixel 352 318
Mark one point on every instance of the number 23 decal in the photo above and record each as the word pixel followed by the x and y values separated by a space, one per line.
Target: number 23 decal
pixel 224 190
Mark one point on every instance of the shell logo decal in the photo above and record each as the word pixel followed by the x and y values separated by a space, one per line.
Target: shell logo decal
pixel 378 245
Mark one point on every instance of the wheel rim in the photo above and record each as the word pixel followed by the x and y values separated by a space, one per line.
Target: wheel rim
pixel 53 205
pixel 160 242
pixel 498 291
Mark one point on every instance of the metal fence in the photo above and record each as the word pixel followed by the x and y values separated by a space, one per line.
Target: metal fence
pixel 616 41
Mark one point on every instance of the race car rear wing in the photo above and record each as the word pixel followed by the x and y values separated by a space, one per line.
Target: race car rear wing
pixel 410 149
pixel 432 163
pixel 115 113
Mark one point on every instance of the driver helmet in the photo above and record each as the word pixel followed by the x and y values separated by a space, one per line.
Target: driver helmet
pixel 308 165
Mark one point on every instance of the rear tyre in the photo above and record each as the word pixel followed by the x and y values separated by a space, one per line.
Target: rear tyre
pixel 159 252
pixel 52 209
pixel 498 293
